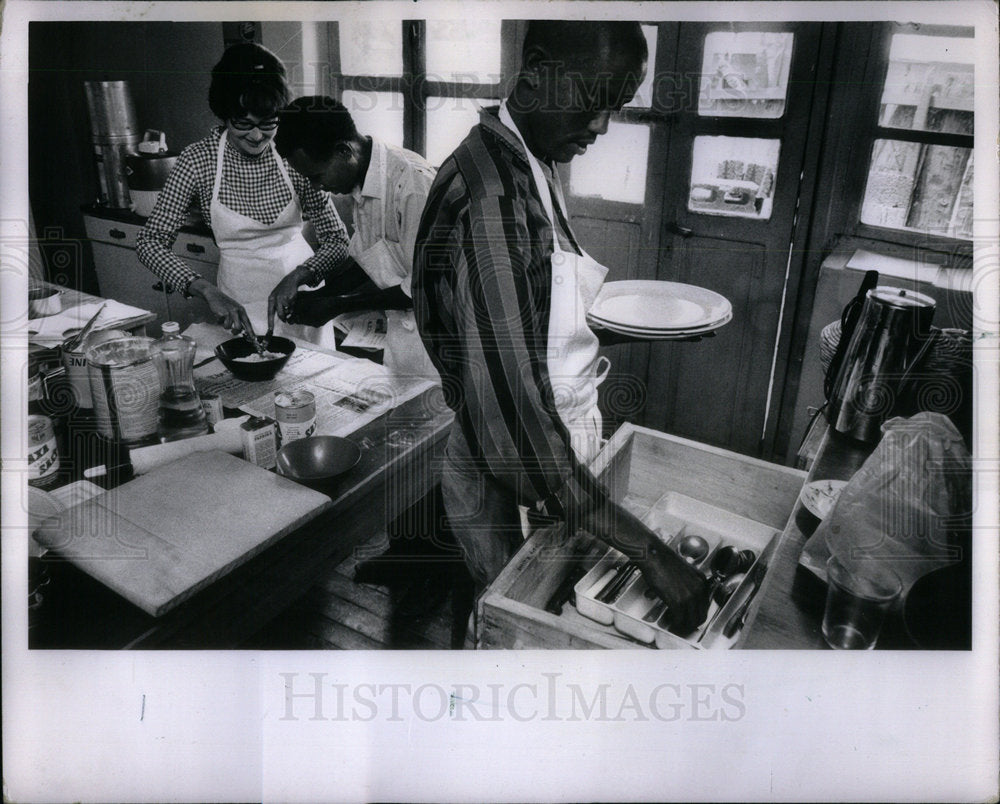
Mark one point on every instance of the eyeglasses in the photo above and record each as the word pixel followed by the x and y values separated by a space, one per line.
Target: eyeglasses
pixel 243 124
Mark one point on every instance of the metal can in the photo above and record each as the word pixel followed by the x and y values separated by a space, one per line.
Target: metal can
pixel 43 452
pixel 295 413
pixel 75 363
pixel 125 389
pixel 36 392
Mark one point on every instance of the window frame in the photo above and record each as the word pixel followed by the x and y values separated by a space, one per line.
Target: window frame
pixel 413 84
pixel 868 130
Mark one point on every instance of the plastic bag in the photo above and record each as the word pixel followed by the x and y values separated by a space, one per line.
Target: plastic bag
pixel 907 510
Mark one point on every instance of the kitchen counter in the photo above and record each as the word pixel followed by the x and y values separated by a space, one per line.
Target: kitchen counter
pixel 397 468
pixel 74 298
pixel 788 609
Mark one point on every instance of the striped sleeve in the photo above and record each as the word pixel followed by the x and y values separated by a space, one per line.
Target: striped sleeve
pixel 507 413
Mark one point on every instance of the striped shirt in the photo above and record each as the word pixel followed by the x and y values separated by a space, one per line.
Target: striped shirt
pixel 252 186
pixel 482 296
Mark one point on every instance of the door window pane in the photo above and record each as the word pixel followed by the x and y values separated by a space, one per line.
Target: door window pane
pixel 467 51
pixel 373 47
pixel 378 113
pixel 733 176
pixel 448 122
pixel 927 188
pixel 929 84
pixel 745 74
pixel 644 94
pixel 614 167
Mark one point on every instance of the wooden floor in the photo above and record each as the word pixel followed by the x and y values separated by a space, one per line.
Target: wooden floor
pixel 340 613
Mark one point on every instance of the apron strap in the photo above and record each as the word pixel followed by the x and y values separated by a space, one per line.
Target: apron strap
pixel 552 194
pixel 218 167
pixel 541 185
pixel 283 171
pixel 382 171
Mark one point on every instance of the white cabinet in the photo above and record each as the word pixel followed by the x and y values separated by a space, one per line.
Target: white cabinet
pixel 121 276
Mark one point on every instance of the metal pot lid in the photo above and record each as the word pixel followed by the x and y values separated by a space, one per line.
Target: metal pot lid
pixel 900 297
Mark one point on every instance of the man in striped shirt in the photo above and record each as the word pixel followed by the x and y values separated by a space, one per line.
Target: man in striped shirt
pixel 482 294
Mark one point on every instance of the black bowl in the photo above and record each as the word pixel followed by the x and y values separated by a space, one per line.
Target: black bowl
pixel 317 460
pixel 229 351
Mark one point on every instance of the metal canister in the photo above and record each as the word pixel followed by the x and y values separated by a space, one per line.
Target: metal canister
pixel 114 135
pixel 125 389
pixel 110 108
pixel 36 391
pixel 75 363
pixel 295 413
pixel 886 343
pixel 43 452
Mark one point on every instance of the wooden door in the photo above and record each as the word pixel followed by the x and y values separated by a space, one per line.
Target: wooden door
pixel 719 140
pixel 732 188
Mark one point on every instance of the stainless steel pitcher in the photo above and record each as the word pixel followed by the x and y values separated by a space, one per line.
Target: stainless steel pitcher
pixel 889 340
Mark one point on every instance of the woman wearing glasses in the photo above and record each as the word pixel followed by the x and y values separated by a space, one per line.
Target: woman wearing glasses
pixel 253 202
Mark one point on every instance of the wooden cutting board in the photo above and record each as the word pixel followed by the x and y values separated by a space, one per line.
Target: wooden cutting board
pixel 170 533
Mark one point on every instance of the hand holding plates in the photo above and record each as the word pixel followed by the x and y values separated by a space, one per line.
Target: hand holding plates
pixel 653 310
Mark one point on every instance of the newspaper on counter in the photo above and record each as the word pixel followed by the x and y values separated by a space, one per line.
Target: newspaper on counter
pixel 54 329
pixel 215 378
pixel 349 391
pixel 362 330
pixel 348 395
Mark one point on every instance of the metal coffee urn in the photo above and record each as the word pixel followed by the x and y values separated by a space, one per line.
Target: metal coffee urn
pixel 114 134
pixel 890 338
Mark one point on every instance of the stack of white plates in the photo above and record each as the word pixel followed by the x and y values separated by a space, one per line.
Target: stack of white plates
pixel 652 310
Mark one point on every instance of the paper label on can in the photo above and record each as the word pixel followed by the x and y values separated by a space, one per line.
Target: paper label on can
pixel 43 452
pixel 295 413
pixel 126 400
pixel 292 431
pixel 260 442
pixel 79 377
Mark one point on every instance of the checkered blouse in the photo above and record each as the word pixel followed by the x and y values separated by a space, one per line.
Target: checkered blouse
pixel 252 186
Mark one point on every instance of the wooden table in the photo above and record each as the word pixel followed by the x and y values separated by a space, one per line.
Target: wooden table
pixel 397 468
pixel 788 609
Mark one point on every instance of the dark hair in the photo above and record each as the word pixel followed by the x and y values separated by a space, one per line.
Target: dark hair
pixel 315 123
pixel 249 79
pixel 573 41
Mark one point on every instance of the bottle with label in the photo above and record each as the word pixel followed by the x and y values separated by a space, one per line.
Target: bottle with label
pixel 181 412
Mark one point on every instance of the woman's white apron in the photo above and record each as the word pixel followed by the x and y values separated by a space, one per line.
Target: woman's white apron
pixel 254 257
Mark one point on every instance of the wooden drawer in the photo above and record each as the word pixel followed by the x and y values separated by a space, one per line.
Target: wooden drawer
pixel 197 248
pixel 638 466
pixel 116 233
pixel 194 247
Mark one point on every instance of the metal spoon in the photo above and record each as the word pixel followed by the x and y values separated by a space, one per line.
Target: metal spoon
pixel 254 341
pixel 692 547
pixel 724 590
